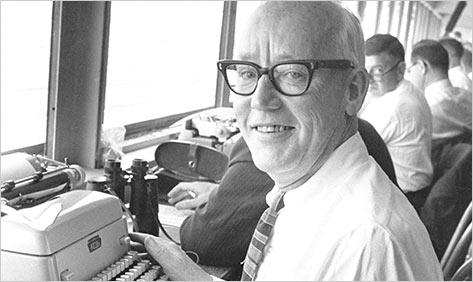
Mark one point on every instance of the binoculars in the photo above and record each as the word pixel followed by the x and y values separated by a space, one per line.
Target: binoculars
pixel 136 188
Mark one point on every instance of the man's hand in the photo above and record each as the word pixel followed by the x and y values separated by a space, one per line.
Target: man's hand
pixel 176 264
pixel 190 195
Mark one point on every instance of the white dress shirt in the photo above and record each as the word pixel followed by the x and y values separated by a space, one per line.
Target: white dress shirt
pixel 450 107
pixel 458 78
pixel 402 118
pixel 348 222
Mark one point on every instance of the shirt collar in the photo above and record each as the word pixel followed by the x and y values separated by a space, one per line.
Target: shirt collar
pixel 456 69
pixel 351 152
pixel 438 86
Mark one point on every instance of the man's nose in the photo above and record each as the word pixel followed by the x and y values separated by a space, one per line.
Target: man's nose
pixel 265 96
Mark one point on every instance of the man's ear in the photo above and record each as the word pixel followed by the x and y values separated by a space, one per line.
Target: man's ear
pixel 401 69
pixel 357 88
pixel 422 67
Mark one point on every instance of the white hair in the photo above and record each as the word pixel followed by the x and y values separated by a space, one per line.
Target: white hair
pixel 341 30
pixel 351 37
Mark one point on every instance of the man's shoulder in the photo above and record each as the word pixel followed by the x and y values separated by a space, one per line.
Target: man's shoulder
pixel 376 200
pixel 448 95
pixel 410 94
pixel 405 96
pixel 410 103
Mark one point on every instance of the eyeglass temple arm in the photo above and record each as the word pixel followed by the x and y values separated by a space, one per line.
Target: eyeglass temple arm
pixel 334 64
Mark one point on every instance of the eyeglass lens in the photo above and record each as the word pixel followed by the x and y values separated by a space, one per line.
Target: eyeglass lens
pixel 290 79
pixel 378 72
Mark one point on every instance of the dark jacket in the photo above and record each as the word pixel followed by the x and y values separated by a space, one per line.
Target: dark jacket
pixel 449 197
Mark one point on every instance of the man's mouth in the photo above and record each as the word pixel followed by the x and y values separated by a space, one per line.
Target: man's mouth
pixel 272 128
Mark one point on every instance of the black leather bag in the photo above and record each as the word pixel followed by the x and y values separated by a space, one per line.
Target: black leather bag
pixel 179 161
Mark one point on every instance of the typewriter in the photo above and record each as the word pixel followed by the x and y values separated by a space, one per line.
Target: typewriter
pixel 71 234
pixel 53 229
pixel 78 235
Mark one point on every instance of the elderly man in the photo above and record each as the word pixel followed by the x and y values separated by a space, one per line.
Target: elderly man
pixel 455 72
pixel 400 113
pixel 300 81
pixel 229 214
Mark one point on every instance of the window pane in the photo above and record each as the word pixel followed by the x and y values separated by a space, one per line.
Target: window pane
pixel 352 6
pixel 244 11
pixel 384 19
pixel 25 51
pixel 369 19
pixel 396 17
pixel 405 18
pixel 412 27
pixel 162 59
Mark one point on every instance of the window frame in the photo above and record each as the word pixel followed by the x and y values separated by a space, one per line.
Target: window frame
pixel 63 97
pixel 33 149
pixel 75 102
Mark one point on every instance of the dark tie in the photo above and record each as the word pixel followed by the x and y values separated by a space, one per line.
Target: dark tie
pixel 260 238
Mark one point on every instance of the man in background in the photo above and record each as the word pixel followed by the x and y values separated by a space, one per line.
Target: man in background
pixel 400 114
pixel 450 106
pixel 451 119
pixel 455 74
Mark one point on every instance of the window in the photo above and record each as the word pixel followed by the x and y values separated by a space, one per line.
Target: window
pixel 25 53
pixel 352 6
pixel 162 59
pixel 414 19
pixel 243 13
pixel 395 24
pixel 384 17
pixel 369 19
pixel 405 21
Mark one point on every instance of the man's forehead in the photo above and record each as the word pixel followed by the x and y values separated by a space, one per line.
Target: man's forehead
pixel 285 38
pixel 381 59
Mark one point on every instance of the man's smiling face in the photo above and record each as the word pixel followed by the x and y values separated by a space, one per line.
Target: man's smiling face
pixel 289 136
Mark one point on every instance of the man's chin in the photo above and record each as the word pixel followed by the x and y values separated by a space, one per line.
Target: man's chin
pixel 267 162
pixel 264 163
pixel 375 92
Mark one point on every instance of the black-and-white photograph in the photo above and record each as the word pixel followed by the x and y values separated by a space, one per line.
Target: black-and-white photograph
pixel 133 149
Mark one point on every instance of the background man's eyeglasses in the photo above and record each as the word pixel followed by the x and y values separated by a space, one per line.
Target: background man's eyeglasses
pixel 409 68
pixel 291 78
pixel 377 73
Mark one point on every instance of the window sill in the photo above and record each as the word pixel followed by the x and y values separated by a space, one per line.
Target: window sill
pixel 143 147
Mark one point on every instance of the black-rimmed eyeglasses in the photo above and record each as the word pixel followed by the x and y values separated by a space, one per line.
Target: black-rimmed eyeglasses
pixel 409 68
pixel 377 73
pixel 291 78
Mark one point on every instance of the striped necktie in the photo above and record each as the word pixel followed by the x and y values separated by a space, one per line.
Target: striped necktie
pixel 263 229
